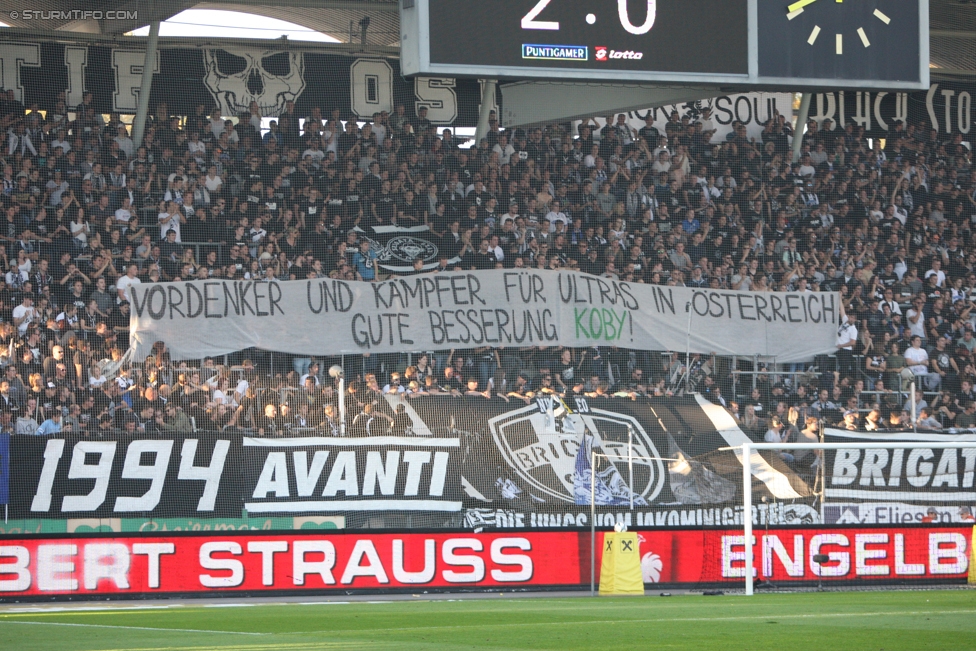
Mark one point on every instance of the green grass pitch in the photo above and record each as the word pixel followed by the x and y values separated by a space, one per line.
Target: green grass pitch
pixel 944 620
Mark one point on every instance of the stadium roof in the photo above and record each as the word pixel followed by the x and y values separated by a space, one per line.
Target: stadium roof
pixel 953 22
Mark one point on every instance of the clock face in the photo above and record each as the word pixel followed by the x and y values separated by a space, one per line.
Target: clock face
pixel 798 8
pixel 840 39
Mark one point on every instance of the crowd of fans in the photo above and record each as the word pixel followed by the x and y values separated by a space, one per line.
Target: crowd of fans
pixel 888 224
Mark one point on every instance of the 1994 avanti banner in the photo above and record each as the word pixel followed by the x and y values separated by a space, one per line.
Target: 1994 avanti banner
pixel 467 310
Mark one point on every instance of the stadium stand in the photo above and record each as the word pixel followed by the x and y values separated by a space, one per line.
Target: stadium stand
pixel 209 195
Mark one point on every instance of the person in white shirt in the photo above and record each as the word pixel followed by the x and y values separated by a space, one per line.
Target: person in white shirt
pixel 125 142
pixel 213 180
pixel 171 220
pixel 589 161
pixel 889 300
pixel 818 156
pixel 707 125
pixel 918 363
pixel 504 150
pixel 197 148
pixel 779 433
pixel 379 129
pixel 56 187
pixel 394 386
pixel 496 248
pixel 19 141
pixel 124 214
pixel 846 340
pixel 17 276
pixel 222 394
pixel 330 137
pixel 806 167
pixel 556 215
pixel 61 140
pixel 916 318
pixel 662 165
pixel 927 421
pixel 241 389
pixel 936 271
pixel 511 215
pixel 24 314
pixel 900 213
pixel 216 123
pixel 625 134
pixel 128 280
pixel 313 374
pixel 313 151
pixel 231 133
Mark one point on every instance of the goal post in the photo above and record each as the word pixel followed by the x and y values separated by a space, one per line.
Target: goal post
pixel 749 449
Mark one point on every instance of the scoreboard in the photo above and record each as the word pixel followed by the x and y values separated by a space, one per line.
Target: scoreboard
pixel 798 43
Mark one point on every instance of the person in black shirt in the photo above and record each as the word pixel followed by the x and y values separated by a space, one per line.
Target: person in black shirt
pixel 352 204
pixel 349 142
pixel 383 209
pixel 268 422
pixel 451 241
pixel 478 196
pixel 453 380
pixel 483 259
pixel 366 422
pixel 421 124
pixel 118 322
pixel 408 212
pixel 402 423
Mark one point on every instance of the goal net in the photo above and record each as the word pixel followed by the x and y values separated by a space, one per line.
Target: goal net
pixel 896 509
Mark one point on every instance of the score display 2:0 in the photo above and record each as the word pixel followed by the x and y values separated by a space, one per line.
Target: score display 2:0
pixel 529 20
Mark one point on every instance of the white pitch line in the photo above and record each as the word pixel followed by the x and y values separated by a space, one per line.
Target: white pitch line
pixel 84 609
pixel 766 616
pixel 131 628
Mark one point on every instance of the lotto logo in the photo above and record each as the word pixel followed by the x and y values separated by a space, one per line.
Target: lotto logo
pixel 628 54
pixel 602 53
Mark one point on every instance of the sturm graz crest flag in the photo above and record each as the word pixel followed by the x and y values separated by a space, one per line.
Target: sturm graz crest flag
pixel 549 443
pixel 664 456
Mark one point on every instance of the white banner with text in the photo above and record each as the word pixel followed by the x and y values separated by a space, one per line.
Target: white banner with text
pixel 468 310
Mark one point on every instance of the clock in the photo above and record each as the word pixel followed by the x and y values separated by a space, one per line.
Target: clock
pixel 799 7
pixel 877 40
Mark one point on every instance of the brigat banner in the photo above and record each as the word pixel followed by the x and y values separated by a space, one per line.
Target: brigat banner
pixel 915 485
pixel 481 308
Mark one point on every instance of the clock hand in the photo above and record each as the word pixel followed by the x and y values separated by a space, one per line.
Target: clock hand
pixel 799 5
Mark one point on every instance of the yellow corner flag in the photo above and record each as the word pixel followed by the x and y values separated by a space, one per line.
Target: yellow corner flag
pixel 972 560
pixel 620 571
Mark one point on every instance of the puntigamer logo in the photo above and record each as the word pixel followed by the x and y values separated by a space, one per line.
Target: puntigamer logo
pixel 556 52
